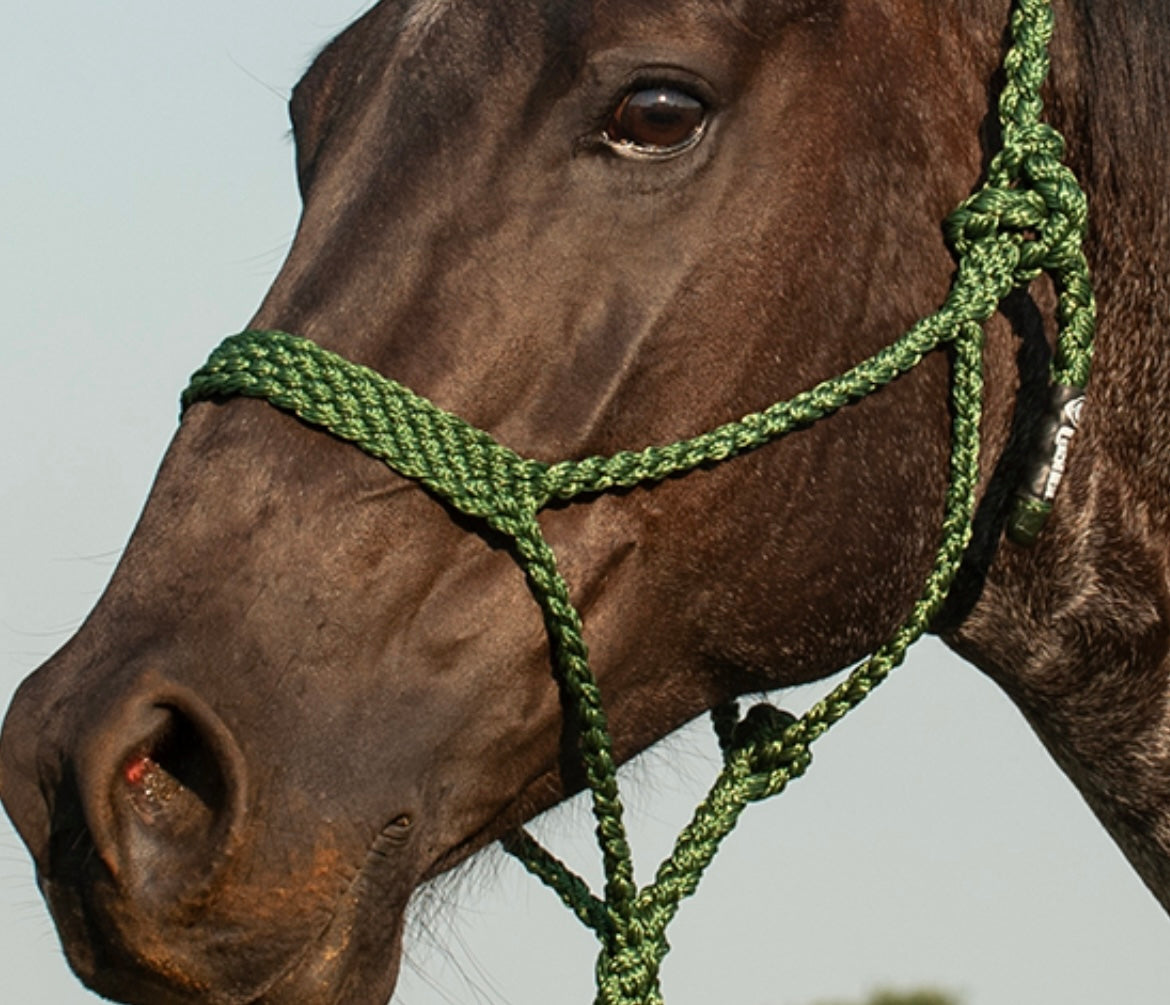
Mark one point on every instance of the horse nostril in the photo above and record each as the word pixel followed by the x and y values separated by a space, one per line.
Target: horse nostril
pixel 163 789
pixel 174 781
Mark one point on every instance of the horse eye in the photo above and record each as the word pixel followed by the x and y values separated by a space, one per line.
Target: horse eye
pixel 657 122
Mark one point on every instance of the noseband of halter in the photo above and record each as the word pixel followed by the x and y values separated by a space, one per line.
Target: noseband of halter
pixel 1029 218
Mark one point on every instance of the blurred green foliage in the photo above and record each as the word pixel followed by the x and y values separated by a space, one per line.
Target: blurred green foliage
pixel 904 998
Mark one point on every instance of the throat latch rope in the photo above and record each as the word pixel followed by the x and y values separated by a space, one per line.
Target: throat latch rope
pixel 1029 218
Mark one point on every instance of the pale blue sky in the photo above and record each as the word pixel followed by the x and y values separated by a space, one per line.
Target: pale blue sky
pixel 147 197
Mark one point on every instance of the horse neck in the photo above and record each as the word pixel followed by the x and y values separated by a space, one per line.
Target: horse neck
pixel 1077 629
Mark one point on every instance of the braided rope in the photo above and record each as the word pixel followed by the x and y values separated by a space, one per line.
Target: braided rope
pixel 1028 219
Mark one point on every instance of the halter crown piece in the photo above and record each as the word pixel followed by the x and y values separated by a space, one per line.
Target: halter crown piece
pixel 1029 218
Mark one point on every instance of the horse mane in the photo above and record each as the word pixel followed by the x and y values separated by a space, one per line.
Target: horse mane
pixel 1111 95
pixel 1124 91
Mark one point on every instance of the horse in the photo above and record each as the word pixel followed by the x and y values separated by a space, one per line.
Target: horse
pixel 493 217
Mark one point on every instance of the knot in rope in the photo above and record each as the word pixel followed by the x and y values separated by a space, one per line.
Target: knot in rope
pixel 765 749
pixel 628 970
pixel 1032 201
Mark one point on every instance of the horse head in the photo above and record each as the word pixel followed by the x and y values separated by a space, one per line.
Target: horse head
pixel 311 684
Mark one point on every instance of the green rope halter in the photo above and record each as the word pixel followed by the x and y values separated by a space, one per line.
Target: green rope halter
pixel 1029 218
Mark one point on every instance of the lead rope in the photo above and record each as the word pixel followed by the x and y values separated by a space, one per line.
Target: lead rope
pixel 1028 218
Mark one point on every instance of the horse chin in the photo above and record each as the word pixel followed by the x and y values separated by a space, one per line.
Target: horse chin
pixel 354 960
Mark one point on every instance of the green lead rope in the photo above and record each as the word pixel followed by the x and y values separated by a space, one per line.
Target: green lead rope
pixel 1029 218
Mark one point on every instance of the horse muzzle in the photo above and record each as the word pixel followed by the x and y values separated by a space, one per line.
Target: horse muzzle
pixel 137 813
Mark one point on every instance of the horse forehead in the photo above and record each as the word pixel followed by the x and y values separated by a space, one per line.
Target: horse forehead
pixel 568 23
